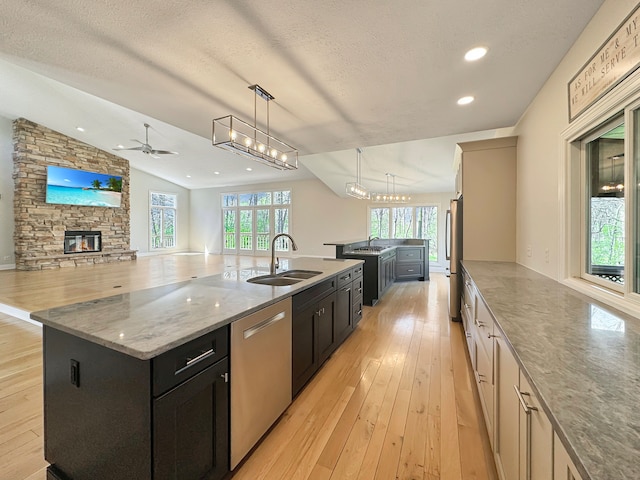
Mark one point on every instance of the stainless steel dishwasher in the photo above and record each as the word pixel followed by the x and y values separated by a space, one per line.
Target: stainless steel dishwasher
pixel 260 375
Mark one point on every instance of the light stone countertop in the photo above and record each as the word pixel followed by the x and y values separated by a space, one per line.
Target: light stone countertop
pixel 583 359
pixel 146 323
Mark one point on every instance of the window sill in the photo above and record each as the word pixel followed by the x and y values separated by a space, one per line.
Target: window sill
pixel 609 297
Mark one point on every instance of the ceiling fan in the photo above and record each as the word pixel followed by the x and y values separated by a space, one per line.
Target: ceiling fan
pixel 146 148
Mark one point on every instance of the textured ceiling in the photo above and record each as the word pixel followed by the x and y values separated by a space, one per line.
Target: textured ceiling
pixel 345 74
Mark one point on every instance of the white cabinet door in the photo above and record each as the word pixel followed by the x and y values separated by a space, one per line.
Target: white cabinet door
pixel 563 467
pixel 484 379
pixel 507 408
pixel 536 436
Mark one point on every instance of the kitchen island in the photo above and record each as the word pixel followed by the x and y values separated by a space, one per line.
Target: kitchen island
pixel 578 358
pixel 386 261
pixel 131 379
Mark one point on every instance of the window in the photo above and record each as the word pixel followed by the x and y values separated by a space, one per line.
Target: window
pixel 251 219
pixel 406 222
pixel 162 220
pixel 604 205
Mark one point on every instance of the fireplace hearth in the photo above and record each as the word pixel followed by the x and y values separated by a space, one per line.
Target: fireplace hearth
pixel 79 241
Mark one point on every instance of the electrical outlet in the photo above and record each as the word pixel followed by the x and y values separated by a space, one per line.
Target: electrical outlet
pixel 6 257
pixel 546 255
pixel 528 250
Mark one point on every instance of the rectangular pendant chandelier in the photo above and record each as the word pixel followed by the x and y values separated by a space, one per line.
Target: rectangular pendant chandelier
pixel 237 136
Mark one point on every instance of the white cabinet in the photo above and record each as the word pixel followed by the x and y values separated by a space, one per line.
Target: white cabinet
pixel 483 326
pixel 487 180
pixel 536 436
pixel 563 467
pixel 507 412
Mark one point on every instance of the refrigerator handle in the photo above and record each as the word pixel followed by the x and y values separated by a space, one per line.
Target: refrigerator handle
pixel 447 235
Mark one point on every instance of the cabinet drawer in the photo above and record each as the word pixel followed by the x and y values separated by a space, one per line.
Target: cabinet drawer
pixel 345 278
pixel 311 295
pixel 357 287
pixel 485 325
pixel 409 270
pixel 356 310
pixel 357 271
pixel 177 365
pixel 410 254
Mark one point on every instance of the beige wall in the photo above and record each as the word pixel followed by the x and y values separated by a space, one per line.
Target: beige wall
pixel 318 216
pixel 141 184
pixel 7 258
pixel 540 147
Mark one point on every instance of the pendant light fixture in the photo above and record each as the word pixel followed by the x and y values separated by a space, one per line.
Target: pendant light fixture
pixel 355 189
pixel 232 134
pixel 390 197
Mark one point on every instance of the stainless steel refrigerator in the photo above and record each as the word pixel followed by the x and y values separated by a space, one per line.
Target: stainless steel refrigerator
pixel 453 246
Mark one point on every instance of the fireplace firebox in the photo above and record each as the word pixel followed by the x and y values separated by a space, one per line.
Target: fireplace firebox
pixel 78 241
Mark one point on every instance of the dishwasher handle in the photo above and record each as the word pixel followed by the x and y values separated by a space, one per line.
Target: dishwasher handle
pixel 251 331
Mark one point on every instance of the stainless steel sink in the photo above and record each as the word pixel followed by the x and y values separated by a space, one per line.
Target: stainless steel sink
pixel 288 277
pixel 276 281
pixel 299 274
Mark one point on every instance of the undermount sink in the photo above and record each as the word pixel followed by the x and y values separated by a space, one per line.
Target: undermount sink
pixel 288 277
pixel 299 273
pixel 272 280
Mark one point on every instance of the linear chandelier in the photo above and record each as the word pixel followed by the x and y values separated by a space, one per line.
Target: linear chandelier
pixel 390 197
pixel 356 189
pixel 232 134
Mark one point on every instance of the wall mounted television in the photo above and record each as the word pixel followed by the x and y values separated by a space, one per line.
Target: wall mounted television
pixel 78 187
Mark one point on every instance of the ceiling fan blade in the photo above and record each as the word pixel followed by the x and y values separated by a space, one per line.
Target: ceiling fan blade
pixel 134 140
pixel 153 156
pixel 163 152
pixel 132 148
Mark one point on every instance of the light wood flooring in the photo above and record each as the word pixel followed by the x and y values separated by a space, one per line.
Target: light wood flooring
pixel 395 401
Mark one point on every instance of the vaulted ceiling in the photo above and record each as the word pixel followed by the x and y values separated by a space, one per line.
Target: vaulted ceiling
pixel 380 75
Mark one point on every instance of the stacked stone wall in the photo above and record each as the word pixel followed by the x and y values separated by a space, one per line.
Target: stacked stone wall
pixel 40 226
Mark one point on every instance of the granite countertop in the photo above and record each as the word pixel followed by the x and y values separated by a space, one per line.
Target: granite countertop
pixel 583 359
pixel 149 322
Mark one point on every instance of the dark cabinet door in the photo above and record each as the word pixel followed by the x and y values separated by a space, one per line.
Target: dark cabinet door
pixel 304 354
pixel 343 319
pixel 325 324
pixel 191 427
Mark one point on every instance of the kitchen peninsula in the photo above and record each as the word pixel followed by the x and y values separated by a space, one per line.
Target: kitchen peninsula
pixel 124 376
pixel 385 261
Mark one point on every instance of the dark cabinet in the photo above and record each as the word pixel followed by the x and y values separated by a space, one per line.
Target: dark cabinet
pixel 191 426
pixel 344 307
pixel 111 416
pixel 412 262
pixel 386 271
pixel 313 331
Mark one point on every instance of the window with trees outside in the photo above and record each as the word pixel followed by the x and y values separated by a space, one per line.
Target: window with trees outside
pixel 406 222
pixel 162 220
pixel 251 219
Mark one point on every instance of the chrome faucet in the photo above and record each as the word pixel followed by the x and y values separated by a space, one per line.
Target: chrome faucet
pixel 274 261
pixel 371 237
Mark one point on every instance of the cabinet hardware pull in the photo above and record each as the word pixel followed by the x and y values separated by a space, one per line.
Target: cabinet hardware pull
pixel 360 312
pixel 345 277
pixel 225 375
pixel 348 289
pixel 409 270
pixel 193 361
pixel 527 410
pixel 525 407
pixel 249 332
pixel 491 335
pixel 318 312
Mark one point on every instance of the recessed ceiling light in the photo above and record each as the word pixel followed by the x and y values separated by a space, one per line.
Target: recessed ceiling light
pixel 216 173
pixel 475 54
pixel 188 176
pixel 249 169
pixel 119 146
pixel 465 100
pixel 80 129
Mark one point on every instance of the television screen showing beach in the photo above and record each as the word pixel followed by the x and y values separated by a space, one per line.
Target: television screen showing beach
pixel 78 187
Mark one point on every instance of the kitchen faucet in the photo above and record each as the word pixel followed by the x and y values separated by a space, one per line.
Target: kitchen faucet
pixel 371 237
pixel 274 262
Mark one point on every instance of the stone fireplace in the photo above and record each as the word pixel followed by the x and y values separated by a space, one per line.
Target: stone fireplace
pixel 41 236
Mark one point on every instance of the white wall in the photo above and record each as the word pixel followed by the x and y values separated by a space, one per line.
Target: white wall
pixel 540 146
pixel 7 258
pixel 141 184
pixel 318 216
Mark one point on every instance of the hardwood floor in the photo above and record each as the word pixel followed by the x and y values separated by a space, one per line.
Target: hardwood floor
pixel 395 401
